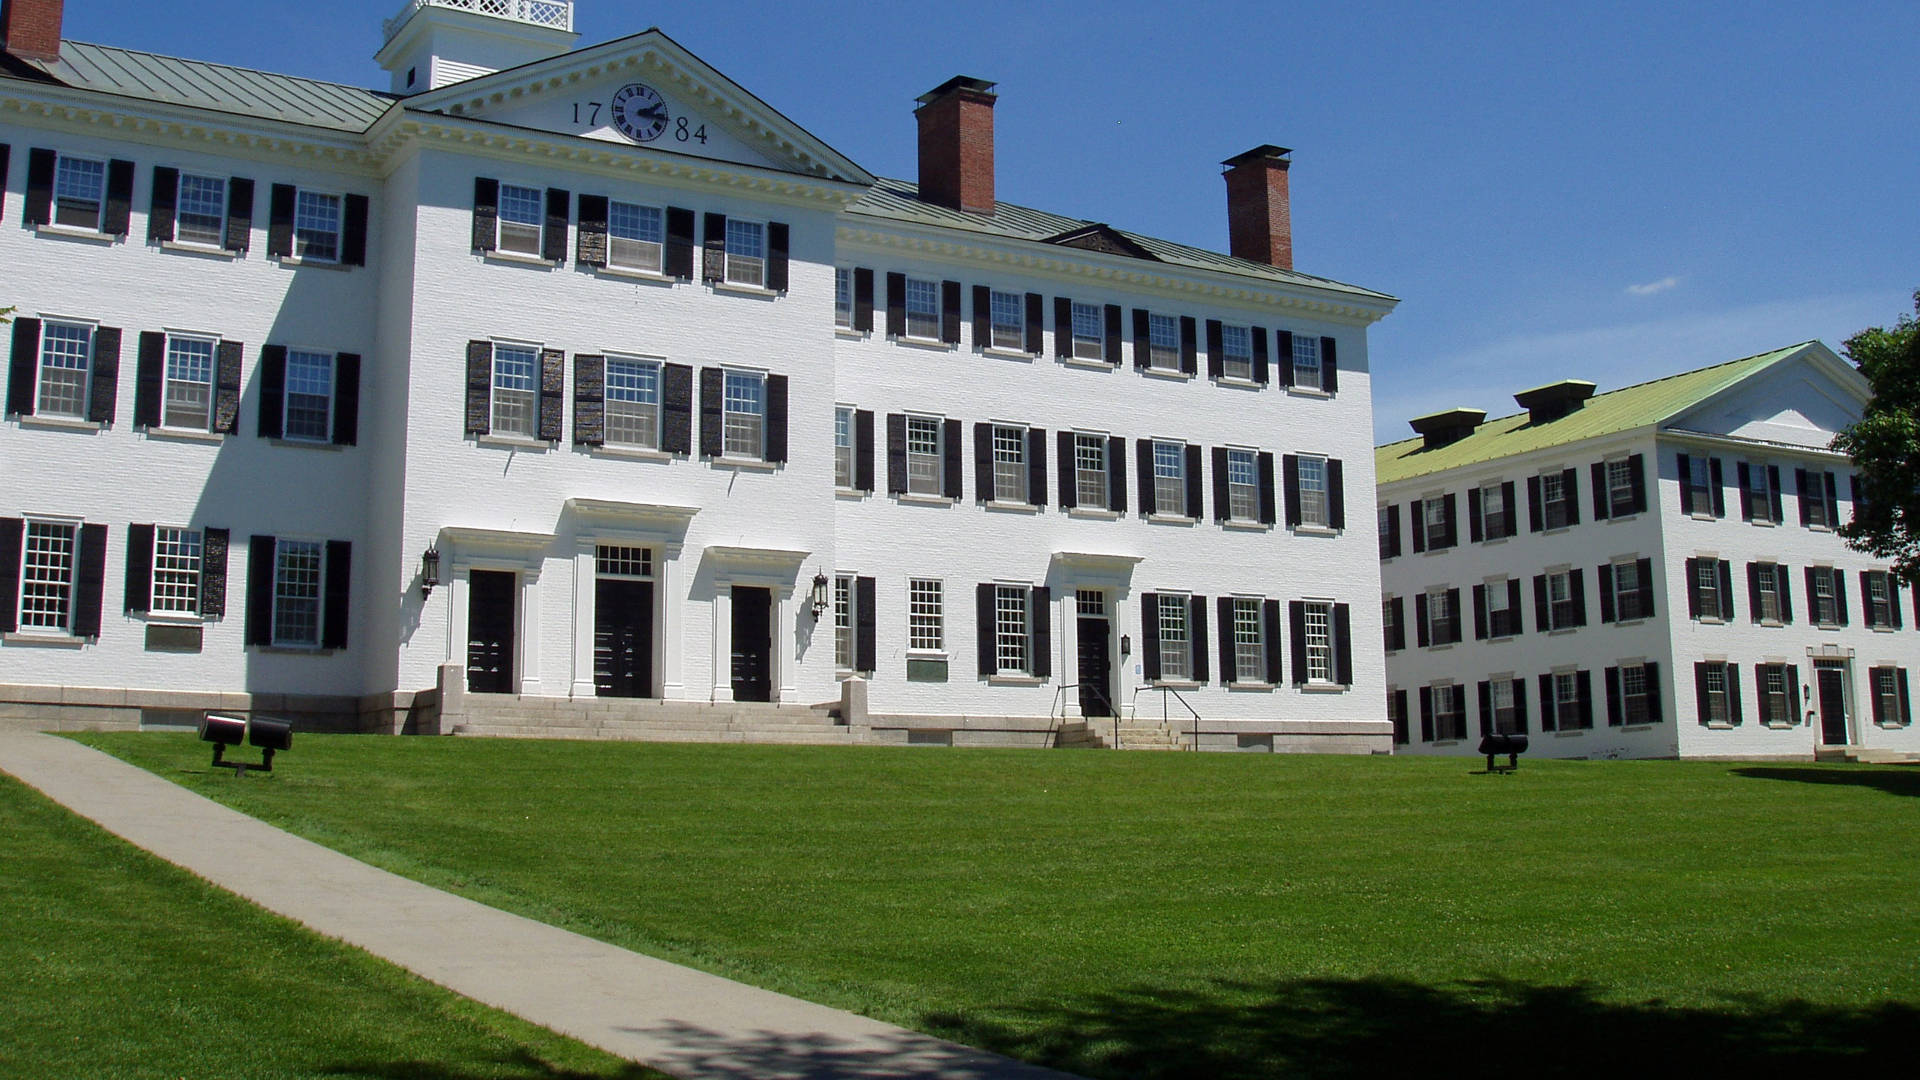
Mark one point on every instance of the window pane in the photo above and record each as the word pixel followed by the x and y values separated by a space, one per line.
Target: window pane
pixel 65 350
pixel 1306 361
pixel 632 403
pixel 1319 642
pixel 1010 629
pixel 1090 471
pixel 1249 652
pixel 189 396
pixel 309 399
pixel 924 461
pixel 635 235
pixel 200 215
pixel 1089 338
pixel 926 615
pixel 1313 491
pixel 176 571
pixel 1236 344
pixel 1009 325
pixel 1170 478
pixel 1243 493
pixel 745 414
pixel 46 576
pixel 923 309
pixel 1175 663
pixel 1163 341
pixel 843 297
pixel 516 386
pixel 296 593
pixel 843 623
pixel 316 227
pixel 843 447
pixel 77 190
pixel 1010 464
pixel 746 252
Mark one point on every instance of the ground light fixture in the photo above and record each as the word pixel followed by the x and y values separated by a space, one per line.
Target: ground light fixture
pixel 819 594
pixel 224 730
pixel 1495 743
pixel 429 570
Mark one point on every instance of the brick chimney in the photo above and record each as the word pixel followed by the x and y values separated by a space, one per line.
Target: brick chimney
pixel 1259 219
pixel 30 29
pixel 956 144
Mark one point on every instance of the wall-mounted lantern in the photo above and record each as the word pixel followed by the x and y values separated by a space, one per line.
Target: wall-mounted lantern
pixel 819 607
pixel 429 571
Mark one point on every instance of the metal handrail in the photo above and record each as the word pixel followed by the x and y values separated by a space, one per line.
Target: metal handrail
pixel 1112 713
pixel 1164 718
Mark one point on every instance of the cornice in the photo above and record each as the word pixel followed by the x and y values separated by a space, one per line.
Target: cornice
pixel 161 123
pixel 1032 257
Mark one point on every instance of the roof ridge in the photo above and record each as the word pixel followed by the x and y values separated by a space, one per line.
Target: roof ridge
pixel 230 67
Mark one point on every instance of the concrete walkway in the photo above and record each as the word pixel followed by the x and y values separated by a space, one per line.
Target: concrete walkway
pixel 684 1022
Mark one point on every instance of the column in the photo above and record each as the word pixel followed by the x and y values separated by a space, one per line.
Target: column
pixel 585 611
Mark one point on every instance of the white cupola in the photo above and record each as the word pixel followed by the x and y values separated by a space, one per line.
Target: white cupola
pixel 433 43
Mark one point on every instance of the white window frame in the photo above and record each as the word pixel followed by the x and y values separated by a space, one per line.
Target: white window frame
pixel 297 396
pixel 1768 578
pixel 1816 501
pixel 1561 613
pixel 1719 707
pixel 1706 582
pixel 178 560
pixel 743 407
pixel 1433 520
pixel 1505 716
pixel 1499 605
pixel 1449 724
pixel 926 455
pixel 1626 590
pixel 1555 503
pixel 1439 615
pixel 1013 617
pixel 1176 637
pixel 1318 617
pixel 312 242
pixel 1236 352
pixel 1007 320
pixel 1169 478
pixel 1635 695
pixel 1879 600
pixel 1163 342
pixel 75 379
pixel 514 409
pixel 79 201
pixel 1089 332
pixel 181 347
pixel 1315 499
pixel 1700 481
pixel 49 576
pixel 843 297
pixel 1619 472
pixel 1886 687
pixel 922 305
pixel 746 253
pixel 1759 492
pixel 843 422
pixel 1091 487
pixel 631 419
pixel 1010 473
pixel 290 598
pixel 926 616
pixel 845 647
pixel 1249 641
pixel 1493 511
pixel 1826 610
pixel 1243 484
pixel 1566 701
pixel 1387 621
pixel 638 244
pixel 1307 371
pixel 200 199
pixel 1777 706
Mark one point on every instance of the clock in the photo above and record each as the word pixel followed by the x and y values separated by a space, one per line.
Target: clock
pixel 639 112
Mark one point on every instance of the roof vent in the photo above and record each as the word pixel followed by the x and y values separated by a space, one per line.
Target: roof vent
pixel 1444 428
pixel 1545 404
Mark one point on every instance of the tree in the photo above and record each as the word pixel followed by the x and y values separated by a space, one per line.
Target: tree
pixel 1885 446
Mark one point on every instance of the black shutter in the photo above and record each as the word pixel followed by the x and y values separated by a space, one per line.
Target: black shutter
pixel 280 222
pixel 1726 591
pixel 950 312
pixel 1520 706
pixel 139 568
pixel 346 399
pixel 982 317
pixel 1486 708
pixel 1583 684
pixel 1686 484
pixel 590 240
pixel 1283 355
pixel 1197 627
pixel 1221 502
pixel 228 358
pixel 1833 501
pixel 1297 626
pixel 119 206
pixel 1216 349
pixel 1479 612
pixel 1806 505
pixel 1336 494
pixel 1700 692
pixel 1452 519
pixel 896 454
pixel 983 462
pixel 1037 466
pixel 1270 629
pixel 1453 617
pixel 1189 345
pixel 1261 374
pixel 259 628
pixel 1473 516
pixel 1196 500
pixel 1040 624
pixel 1329 366
pixel 1753 591
pixel 1290 474
pixel 713 247
pixel 23 371
pixel 862 299
pixel 1719 495
pixel 353 232
pixel 1541 614
pixel 1269 513
pixel 166 192
pixel 1893 599
pixel 486 212
pixel 1906 706
pixel 1143 465
pixel 1343 640
pixel 333 625
pixel 1117 474
pixel 273 390
pixel 1735 709
pixel 1507 526
pixel 1615 710
pixel 1744 473
pixel 1150 636
pixel 1643 571
pixel 149 378
pixel 103 400
pixel 676 396
pixel 1773 494
pixel 1518 624
pixel 1873 691
pixel 239 214
pixel 1570 482
pixel 778 259
pixel 12 532
pixel 1600 492
pixel 89 582
pixel 3 177
pixel 1036 318
pixel 1784 582
pixel 1421 637
pixel 1577 593
pixel 1069 489
pixel 1142 339
pixel 776 450
pixel 679 261
pixel 865 645
pixel 213 574
pixel 1417 524
pixel 863 449
pixel 1111 354
pixel 1534 518
pixel 982 620
pixel 1426 714
pixel 1693 588
pixel 896 305
pixel 953 479
pixel 1549 705
pixel 553 393
pixel 38 208
pixel 589 392
pixel 1637 479
pixel 1062 327
pixel 712 411
pixel 1813 605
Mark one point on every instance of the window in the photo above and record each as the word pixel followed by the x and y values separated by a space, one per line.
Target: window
pixel 1717 690
pixel 1009 321
pixel 1776 700
pixel 1888 686
pixel 1313 490
pixel 926 615
pixel 1493 511
pixel 316 226
pixel 1768 586
pixel 1390 622
pixel 636 236
pixel 633 402
pixel 1706 584
pixel 516 390
pixel 1759 492
pixel 1319 641
pixel 1249 642
pixel 1506 715
pixel 1814 505
pixel 843 447
pixel 1824 588
pixel 47 576
pixel 1700 486
pixel 745 406
pixel 1626 591
pixel 1236 348
pixel 200 211
pixel 1163 342
pixel 1502 619
pixel 308 407
pixel 188 401
pixel 923 309
pixel 746 252
pixel 924 455
pixel 1089 337
pixel 1090 471
pixel 79 192
pixel 1389 531
pixel 1397 716
pixel 843 297
pixel 1011 636
pixel 1566 701
pixel 1169 477
pixel 1440 617
pixel 612 561
pixel 1243 485
pixel 1009 464
pixel 296 593
pixel 1176 659
pixel 1306 362
pixel 1555 501
pixel 1562 613
pixel 176 571
pixel 1635 691
pixel 1880 599
pixel 1449 712
pixel 1620 498
pixel 1433 513
pixel 66 350
pixel 843 641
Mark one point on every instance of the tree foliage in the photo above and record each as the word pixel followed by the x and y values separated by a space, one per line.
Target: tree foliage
pixel 1885 446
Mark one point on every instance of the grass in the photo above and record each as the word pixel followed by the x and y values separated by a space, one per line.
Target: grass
pixel 1163 915
pixel 118 966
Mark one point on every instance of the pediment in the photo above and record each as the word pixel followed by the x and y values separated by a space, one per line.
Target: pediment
pixel 648 93
pixel 1802 401
pixel 1102 238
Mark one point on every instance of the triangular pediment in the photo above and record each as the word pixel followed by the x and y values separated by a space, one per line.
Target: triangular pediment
pixel 1803 400
pixel 649 93
pixel 1102 238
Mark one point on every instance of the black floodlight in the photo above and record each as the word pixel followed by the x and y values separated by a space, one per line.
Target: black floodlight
pixel 1495 744
pixel 224 730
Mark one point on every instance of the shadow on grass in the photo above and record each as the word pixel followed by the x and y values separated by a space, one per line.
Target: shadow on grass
pixel 689 1049
pixel 1376 1028
pixel 1898 780
pixel 518 1066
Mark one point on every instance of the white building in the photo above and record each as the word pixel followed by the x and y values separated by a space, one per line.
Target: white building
pixel 561 381
pixel 1649 572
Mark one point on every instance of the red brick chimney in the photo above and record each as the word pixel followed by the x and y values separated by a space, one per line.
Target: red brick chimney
pixel 30 29
pixel 956 144
pixel 1259 219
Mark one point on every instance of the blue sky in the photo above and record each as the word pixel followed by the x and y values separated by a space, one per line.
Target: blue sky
pixel 1612 192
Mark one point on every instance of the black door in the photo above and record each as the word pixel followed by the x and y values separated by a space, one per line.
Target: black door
pixel 1096 667
pixel 1833 706
pixel 490 632
pixel 623 638
pixel 752 644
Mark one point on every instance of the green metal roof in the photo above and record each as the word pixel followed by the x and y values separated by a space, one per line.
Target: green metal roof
pixel 201 85
pixel 899 200
pixel 1626 409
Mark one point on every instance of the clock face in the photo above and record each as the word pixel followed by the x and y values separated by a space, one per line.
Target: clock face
pixel 639 112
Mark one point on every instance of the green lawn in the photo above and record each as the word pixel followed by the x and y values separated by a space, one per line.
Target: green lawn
pixel 1159 915
pixel 115 966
